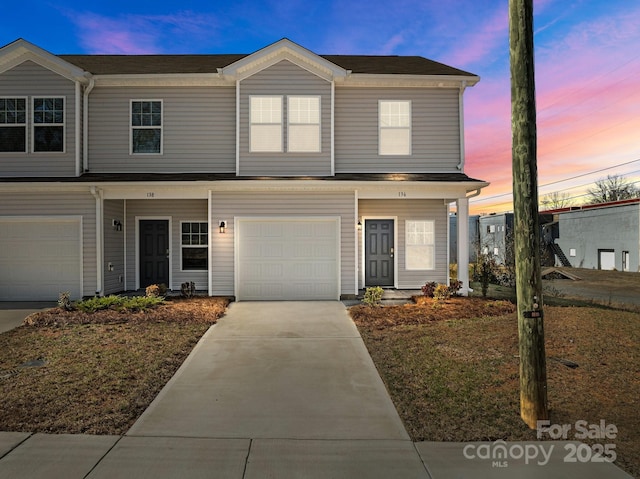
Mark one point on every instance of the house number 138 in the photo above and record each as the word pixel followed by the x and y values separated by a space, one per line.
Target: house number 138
pixel 151 194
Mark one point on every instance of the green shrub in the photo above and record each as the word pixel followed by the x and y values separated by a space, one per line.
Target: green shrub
pixel 118 303
pixel 373 295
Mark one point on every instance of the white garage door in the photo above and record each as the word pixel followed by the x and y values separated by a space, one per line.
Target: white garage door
pixel 287 259
pixel 39 258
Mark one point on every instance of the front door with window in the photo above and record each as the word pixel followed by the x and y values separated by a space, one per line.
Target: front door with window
pixel 154 252
pixel 379 253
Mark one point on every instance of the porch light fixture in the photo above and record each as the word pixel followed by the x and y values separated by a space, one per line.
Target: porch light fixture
pixel 117 225
pixel 359 225
pixel 223 226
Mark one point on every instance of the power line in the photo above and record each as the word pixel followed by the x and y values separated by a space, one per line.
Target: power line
pixel 562 181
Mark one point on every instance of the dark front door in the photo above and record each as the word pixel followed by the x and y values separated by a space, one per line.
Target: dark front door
pixel 154 252
pixel 378 252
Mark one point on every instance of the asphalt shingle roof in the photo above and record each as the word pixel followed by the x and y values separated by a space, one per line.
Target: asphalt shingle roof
pixel 167 64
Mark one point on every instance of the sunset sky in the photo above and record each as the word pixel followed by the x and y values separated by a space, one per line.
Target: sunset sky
pixel 587 64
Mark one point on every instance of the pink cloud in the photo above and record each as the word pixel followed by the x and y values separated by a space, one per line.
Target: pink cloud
pixel 139 34
pixel 587 101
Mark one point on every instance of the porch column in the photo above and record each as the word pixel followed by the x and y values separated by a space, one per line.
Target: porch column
pixel 463 243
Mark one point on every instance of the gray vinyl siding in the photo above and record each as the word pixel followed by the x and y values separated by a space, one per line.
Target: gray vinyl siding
pixel 176 211
pixel 435 130
pixel 228 205
pixel 405 210
pixel 284 79
pixel 199 130
pixel 113 246
pixel 61 204
pixel 28 80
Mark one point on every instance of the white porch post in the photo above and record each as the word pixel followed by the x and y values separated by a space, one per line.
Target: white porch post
pixel 463 243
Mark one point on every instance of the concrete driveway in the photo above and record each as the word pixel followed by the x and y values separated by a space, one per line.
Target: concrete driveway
pixel 290 370
pixel 13 313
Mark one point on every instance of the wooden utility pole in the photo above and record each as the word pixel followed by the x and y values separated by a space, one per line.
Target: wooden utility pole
pixel 533 368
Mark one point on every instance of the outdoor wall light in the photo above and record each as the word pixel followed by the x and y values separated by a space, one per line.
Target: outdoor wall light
pixel 117 225
pixel 223 226
pixel 359 225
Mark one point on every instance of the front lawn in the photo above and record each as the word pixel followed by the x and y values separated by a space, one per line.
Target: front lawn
pixel 452 369
pixel 81 373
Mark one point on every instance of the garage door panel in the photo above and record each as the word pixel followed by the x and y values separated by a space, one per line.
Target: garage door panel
pixel 39 258
pixel 284 259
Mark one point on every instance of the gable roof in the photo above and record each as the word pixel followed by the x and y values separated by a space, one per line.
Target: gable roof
pixel 167 64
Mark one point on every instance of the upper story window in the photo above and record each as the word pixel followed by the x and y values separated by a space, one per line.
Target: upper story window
pixel 48 124
pixel 304 123
pixel 394 122
pixel 146 126
pixel 265 123
pixel 13 124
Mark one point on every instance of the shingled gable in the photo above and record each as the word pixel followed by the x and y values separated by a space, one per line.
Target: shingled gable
pixel 213 63
pixel 20 51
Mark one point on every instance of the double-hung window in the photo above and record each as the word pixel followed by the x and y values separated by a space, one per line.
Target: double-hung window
pixel 266 123
pixel 394 122
pixel 194 245
pixel 13 125
pixel 48 124
pixel 419 245
pixel 146 126
pixel 304 124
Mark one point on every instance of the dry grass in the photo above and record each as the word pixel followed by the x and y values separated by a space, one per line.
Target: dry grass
pixel 456 378
pixel 100 370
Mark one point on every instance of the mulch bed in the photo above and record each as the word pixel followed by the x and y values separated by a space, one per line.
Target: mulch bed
pixel 426 310
pixel 181 310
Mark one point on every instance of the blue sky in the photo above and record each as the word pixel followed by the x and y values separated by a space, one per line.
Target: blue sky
pixel 587 63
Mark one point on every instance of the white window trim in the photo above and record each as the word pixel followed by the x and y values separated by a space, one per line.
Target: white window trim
pixel 25 125
pixel 195 246
pixel 407 246
pixel 381 128
pixel 281 124
pixel 33 125
pixel 319 124
pixel 131 127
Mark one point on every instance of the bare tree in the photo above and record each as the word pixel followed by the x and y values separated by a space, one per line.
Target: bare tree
pixel 556 200
pixel 612 188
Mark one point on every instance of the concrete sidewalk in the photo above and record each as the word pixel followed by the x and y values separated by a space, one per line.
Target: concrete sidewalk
pixel 282 390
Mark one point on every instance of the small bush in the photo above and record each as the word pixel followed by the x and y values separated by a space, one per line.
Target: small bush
pixel 118 303
pixel 373 296
pixel 442 292
pixel 428 289
pixel 188 289
pixel 454 287
pixel 64 301
pixel 152 291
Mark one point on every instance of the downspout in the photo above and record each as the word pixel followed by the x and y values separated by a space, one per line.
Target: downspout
pixel 78 126
pixel 461 122
pixel 98 195
pixel 85 125
pixel 333 136
pixel 237 127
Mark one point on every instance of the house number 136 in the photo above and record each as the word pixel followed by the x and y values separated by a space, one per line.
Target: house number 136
pixel 402 194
